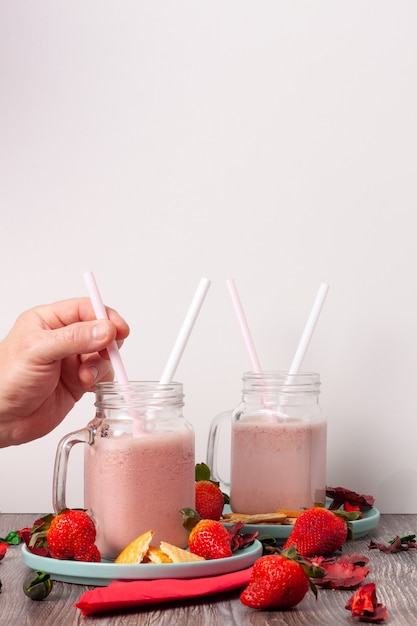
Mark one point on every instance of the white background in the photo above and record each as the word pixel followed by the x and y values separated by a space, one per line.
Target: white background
pixel 155 142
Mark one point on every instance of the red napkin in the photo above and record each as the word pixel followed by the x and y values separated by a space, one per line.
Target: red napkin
pixel 121 595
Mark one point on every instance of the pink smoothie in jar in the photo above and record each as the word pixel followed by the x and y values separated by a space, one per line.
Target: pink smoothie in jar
pixel 133 485
pixel 139 465
pixel 277 464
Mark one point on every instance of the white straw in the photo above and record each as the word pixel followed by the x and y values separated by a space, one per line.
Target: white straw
pixel 101 314
pixel 247 338
pixel 185 331
pixel 309 329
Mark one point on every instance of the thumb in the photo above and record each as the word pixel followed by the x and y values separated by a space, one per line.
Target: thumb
pixel 78 338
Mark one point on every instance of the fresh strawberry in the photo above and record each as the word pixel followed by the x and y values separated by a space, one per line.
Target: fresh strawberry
pixel 71 536
pixel 3 549
pixel 92 555
pixel 277 582
pixel 209 501
pixel 210 539
pixel 317 532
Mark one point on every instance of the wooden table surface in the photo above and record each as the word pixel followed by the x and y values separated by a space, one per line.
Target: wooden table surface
pixel 394 574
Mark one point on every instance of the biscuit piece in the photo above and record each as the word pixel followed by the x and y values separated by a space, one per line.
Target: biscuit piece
pixel 259 518
pixel 178 555
pixel 290 512
pixel 155 555
pixel 136 550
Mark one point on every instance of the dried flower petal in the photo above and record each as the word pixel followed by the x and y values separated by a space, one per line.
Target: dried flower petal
pixel 345 572
pixel 342 496
pixel 396 544
pixel 365 606
pixel 356 559
pixel 238 540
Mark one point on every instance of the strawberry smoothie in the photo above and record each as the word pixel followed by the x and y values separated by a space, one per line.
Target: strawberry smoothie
pixel 279 464
pixel 137 484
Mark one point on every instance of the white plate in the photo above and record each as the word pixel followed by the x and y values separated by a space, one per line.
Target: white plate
pixel 281 532
pixel 101 574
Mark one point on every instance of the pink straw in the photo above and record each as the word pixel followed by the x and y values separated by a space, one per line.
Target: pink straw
pixel 113 348
pixel 100 312
pixel 247 338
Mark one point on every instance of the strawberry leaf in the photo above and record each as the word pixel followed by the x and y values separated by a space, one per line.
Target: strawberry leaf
pixel 226 498
pixel 348 516
pixel 202 472
pixel 313 587
pixel 190 518
pixel 269 545
pixel 312 569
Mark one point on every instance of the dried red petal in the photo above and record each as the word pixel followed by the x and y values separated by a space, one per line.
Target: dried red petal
pixel 342 496
pixel 355 559
pixel 24 534
pixel 342 575
pixel 365 606
pixel 397 544
pixel 379 615
pixel 240 540
pixel 363 600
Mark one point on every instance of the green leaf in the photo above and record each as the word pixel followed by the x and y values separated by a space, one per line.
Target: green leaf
pixel 190 518
pixel 269 544
pixel 404 538
pixel 348 516
pixel 12 538
pixel 350 534
pixel 226 498
pixel 313 587
pixel 312 570
pixel 202 472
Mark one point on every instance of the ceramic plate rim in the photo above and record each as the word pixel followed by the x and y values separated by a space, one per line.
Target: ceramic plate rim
pixel 101 574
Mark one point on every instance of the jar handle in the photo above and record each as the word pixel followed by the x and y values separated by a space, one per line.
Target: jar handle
pixel 213 445
pixel 85 435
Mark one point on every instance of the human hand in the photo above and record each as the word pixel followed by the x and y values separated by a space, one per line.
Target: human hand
pixel 53 354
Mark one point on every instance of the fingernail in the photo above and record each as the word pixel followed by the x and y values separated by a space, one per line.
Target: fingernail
pixel 94 372
pixel 99 331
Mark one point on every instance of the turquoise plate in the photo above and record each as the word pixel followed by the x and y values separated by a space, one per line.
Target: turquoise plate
pixel 360 527
pixel 102 574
